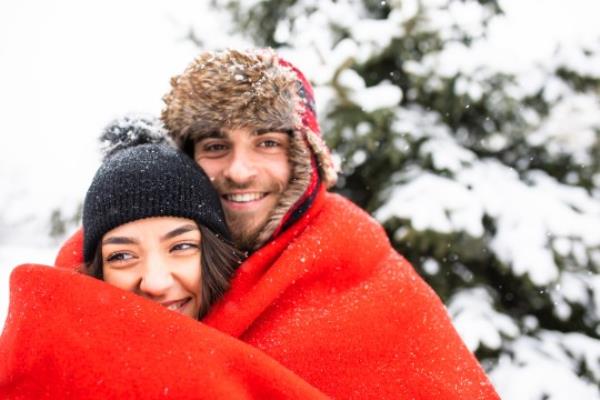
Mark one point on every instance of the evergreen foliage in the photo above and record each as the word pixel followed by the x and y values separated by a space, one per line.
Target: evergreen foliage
pixel 486 178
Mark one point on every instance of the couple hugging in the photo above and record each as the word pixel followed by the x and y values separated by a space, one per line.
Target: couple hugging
pixel 213 263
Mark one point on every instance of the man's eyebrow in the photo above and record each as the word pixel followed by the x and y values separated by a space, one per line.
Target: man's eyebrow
pixel 263 131
pixel 179 231
pixel 210 135
pixel 119 240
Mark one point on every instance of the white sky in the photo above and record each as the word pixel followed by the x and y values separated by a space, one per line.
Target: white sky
pixel 68 68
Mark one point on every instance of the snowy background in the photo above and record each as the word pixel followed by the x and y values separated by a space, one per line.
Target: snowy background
pixel 68 68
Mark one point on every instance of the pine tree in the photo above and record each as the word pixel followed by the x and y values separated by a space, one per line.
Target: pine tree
pixel 486 178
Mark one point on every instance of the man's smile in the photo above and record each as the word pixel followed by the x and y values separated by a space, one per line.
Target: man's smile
pixel 244 197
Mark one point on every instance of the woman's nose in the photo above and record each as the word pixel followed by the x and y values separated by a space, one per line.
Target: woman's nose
pixel 156 278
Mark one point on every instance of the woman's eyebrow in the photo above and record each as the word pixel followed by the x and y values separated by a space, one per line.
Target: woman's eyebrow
pixel 178 231
pixel 119 240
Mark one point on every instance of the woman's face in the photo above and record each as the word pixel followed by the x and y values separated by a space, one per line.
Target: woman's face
pixel 157 258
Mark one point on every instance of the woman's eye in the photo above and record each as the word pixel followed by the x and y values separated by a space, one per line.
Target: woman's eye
pixel 119 257
pixel 185 246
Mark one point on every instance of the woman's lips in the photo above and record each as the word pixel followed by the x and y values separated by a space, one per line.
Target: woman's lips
pixel 176 305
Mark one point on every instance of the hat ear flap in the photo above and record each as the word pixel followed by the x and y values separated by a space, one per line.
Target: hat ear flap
pixel 323 156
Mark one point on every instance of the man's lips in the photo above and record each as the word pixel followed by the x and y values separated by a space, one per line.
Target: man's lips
pixel 246 197
pixel 176 305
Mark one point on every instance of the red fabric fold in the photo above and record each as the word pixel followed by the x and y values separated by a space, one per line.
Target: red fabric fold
pixel 332 301
pixel 327 307
pixel 69 336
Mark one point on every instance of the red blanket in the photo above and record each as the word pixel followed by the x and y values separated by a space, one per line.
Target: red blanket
pixel 327 307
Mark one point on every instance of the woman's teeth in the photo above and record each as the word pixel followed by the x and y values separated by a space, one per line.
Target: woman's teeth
pixel 177 305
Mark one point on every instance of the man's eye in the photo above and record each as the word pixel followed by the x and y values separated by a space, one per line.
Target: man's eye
pixel 119 257
pixel 269 143
pixel 214 147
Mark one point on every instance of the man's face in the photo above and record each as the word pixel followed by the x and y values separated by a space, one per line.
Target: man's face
pixel 250 170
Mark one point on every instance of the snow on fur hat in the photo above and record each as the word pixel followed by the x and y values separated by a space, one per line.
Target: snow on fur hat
pixel 143 175
pixel 253 89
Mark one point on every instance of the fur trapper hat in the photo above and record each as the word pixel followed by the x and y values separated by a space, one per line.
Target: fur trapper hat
pixel 253 89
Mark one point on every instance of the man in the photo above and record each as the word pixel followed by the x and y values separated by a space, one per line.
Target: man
pixel 255 134
pixel 323 292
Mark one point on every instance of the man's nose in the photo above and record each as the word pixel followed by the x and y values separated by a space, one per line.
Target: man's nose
pixel 156 278
pixel 242 167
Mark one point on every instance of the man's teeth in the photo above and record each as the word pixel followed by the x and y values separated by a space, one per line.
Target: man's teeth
pixel 244 197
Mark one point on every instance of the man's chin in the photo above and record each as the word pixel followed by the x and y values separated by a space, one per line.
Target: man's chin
pixel 245 243
pixel 244 237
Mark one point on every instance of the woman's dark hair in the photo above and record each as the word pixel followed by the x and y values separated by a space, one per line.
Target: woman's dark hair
pixel 218 261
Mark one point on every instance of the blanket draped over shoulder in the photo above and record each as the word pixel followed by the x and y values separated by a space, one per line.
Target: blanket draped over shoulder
pixel 327 309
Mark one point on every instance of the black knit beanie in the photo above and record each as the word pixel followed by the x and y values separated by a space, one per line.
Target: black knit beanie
pixel 143 176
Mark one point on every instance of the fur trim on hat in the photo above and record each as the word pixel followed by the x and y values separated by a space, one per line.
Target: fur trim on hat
pixel 231 89
pixel 321 151
pixel 299 159
pixel 250 89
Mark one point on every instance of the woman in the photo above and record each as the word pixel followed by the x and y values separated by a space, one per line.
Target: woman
pixel 153 226
pixel 153 223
